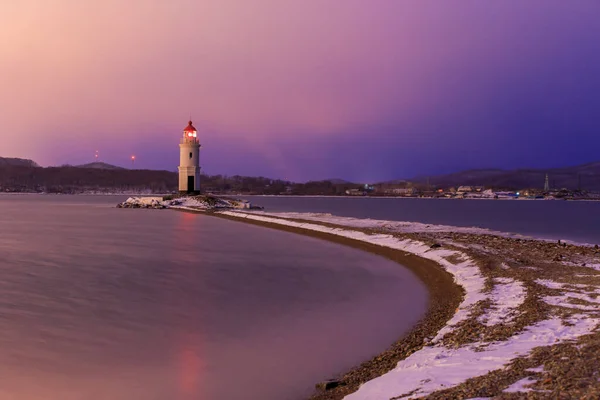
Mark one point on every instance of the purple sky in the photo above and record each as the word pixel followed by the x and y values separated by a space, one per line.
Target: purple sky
pixel 362 90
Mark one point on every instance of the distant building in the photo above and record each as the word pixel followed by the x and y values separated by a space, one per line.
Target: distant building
pixel 401 191
pixel 464 189
pixel 355 192
pixel 189 161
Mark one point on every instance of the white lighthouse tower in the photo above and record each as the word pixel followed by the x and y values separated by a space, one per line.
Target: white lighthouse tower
pixel 189 161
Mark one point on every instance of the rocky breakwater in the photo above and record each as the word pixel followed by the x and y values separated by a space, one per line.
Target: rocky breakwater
pixel 191 203
pixel 143 202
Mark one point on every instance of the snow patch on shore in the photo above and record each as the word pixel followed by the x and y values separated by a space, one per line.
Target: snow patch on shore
pixel 145 201
pixel 434 368
pixel 507 296
pixel 572 291
pixel 539 369
pixel 395 226
pixel 521 386
pixel 186 203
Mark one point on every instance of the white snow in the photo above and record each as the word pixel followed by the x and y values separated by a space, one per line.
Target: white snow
pixel 593 266
pixel 507 296
pixel 396 226
pixel 557 285
pixel 536 369
pixel 521 386
pixel 564 299
pixel 435 366
pixel 188 203
pixel 147 201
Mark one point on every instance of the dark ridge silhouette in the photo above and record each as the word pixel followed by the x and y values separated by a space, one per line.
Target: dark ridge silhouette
pixel 99 165
pixel 17 175
pixel 17 162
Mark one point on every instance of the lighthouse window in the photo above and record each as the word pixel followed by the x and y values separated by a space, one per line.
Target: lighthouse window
pixel 191 156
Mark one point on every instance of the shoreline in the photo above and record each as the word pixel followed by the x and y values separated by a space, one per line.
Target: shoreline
pixel 404 197
pixel 444 297
pixel 527 321
pixel 527 324
pixel 142 194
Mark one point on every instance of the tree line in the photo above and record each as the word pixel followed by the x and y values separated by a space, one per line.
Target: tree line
pixel 68 179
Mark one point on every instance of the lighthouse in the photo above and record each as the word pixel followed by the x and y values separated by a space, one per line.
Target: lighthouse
pixel 189 161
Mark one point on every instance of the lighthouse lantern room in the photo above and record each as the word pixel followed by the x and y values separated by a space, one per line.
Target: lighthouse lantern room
pixel 189 161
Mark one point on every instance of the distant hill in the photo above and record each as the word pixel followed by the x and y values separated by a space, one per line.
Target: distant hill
pixel 99 165
pixel 18 175
pixel 337 181
pixel 17 162
pixel 586 177
pixel 68 179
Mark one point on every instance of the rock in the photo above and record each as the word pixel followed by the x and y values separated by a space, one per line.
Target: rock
pixel 328 385
pixel 435 246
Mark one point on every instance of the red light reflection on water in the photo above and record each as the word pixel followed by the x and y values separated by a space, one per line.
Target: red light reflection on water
pixel 184 228
pixel 188 348
pixel 190 373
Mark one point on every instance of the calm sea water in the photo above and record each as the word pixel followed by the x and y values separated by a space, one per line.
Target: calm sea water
pixel 102 303
pixel 569 220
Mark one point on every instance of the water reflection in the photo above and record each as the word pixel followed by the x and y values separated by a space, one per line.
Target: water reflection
pixel 190 362
pixel 98 303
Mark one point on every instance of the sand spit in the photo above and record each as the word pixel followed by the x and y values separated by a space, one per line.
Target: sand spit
pixel 509 317
pixel 525 326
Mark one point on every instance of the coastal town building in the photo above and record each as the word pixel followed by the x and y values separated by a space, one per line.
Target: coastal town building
pixel 408 191
pixel 189 161
pixel 355 192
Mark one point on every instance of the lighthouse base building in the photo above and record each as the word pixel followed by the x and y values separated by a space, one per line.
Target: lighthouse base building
pixel 189 161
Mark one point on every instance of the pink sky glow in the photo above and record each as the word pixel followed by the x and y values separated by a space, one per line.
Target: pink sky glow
pixel 265 81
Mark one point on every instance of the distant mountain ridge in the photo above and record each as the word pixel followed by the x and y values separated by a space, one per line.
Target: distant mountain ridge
pixel 585 176
pixel 25 175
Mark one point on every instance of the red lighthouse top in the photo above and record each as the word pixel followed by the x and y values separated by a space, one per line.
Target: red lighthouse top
pixel 190 133
pixel 190 128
